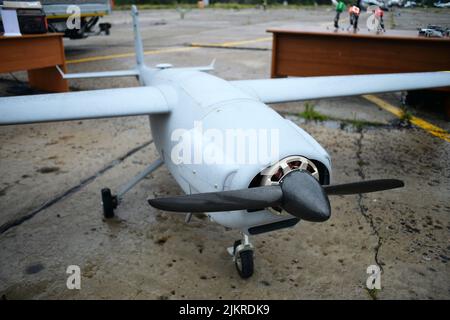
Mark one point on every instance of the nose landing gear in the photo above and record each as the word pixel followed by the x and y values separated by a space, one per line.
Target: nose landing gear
pixel 242 253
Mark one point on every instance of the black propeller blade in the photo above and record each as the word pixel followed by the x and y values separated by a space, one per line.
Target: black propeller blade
pixel 363 186
pixel 245 199
pixel 298 193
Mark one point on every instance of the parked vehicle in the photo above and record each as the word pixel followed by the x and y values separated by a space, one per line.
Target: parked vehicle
pixel 440 4
pixel 91 11
pixel 434 31
pixel 410 4
pixel 395 3
pixel 379 3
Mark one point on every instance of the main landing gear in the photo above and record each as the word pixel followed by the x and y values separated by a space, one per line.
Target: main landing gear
pixel 242 253
pixel 110 202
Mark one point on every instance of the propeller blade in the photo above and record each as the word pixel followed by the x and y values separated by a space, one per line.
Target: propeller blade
pixel 244 199
pixel 363 186
pixel 298 193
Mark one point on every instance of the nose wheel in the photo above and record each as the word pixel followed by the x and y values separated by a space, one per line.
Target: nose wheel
pixel 242 253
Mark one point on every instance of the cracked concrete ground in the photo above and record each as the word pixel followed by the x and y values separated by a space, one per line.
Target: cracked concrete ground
pixel 149 254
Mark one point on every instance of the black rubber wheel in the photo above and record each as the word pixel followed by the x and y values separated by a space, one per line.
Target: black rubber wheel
pixel 244 264
pixel 243 261
pixel 109 203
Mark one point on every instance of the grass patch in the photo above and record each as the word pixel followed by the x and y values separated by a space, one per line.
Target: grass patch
pixel 225 6
pixel 360 124
pixel 155 6
pixel 392 19
pixel 406 116
pixel 372 293
pixel 311 114
pixel 238 6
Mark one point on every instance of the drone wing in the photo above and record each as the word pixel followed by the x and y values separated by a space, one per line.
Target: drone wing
pixel 306 88
pixel 83 105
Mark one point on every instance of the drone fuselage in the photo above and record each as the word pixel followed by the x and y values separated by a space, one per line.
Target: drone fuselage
pixel 210 111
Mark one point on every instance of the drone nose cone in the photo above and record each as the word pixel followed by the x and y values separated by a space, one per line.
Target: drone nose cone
pixel 304 198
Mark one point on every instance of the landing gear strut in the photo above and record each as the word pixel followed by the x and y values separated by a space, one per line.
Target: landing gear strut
pixel 111 202
pixel 242 252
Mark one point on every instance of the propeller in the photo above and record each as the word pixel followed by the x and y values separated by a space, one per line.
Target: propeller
pixel 363 186
pixel 298 193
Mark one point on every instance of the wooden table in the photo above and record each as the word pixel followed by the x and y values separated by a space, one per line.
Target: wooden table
pixel 38 54
pixel 322 52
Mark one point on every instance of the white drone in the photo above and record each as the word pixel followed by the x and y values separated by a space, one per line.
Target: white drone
pixel 254 198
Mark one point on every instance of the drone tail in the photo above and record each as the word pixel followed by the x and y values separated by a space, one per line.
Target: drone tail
pixel 139 49
pixel 135 72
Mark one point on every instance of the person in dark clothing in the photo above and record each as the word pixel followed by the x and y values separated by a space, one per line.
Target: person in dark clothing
pixel 354 12
pixel 340 7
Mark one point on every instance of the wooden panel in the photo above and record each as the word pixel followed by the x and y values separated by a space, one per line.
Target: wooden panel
pixel 273 69
pixel 47 79
pixel 29 53
pixel 39 54
pixel 318 54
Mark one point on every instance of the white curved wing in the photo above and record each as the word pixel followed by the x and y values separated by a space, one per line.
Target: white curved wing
pixel 82 105
pixel 306 88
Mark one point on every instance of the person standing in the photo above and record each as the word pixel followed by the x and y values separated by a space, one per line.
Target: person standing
pixel 340 7
pixel 354 12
